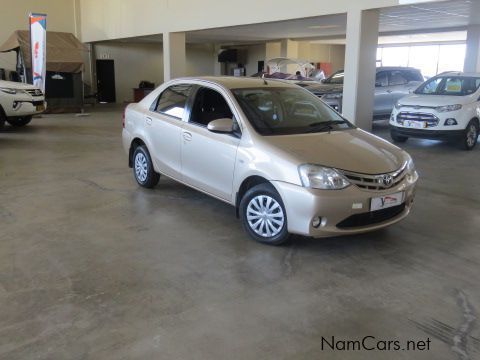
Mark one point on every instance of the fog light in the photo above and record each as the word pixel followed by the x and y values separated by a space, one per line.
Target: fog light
pixel 450 122
pixel 392 118
pixel 316 222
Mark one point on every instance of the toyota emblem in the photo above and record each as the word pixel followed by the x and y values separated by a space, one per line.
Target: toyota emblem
pixel 387 180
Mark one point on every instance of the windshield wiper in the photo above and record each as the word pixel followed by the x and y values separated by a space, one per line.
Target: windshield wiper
pixel 324 125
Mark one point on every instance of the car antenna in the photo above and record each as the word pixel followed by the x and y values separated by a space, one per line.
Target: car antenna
pixel 264 81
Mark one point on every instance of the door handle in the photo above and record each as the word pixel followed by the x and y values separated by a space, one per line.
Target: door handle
pixel 187 136
pixel 148 120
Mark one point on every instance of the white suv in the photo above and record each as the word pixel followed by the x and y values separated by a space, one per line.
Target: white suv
pixel 19 102
pixel 446 107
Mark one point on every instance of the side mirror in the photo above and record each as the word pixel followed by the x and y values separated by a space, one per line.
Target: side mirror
pixel 224 125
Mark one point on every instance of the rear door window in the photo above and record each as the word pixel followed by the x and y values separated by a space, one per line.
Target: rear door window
pixel 396 78
pixel 172 101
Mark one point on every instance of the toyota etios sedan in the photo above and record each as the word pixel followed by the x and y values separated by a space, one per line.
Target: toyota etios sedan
pixel 286 161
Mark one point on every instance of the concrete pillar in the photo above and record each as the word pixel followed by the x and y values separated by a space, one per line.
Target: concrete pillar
pixel 360 58
pixel 217 67
pixel 174 56
pixel 289 49
pixel 472 56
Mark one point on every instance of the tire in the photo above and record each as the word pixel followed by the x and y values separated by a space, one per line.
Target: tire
pixel 19 121
pixel 254 202
pixel 470 135
pixel 143 170
pixel 397 138
pixel 3 118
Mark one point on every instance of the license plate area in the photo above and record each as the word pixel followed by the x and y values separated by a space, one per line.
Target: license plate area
pixel 386 201
pixel 40 107
pixel 415 124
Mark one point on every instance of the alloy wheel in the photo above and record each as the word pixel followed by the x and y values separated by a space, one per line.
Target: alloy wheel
pixel 141 167
pixel 265 216
pixel 472 135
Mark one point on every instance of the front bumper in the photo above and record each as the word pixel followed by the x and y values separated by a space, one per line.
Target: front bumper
pixel 21 107
pixel 427 134
pixel 343 212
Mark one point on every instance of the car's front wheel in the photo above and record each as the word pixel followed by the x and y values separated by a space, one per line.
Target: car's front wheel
pixel 263 215
pixel 3 118
pixel 143 168
pixel 470 135
pixel 397 138
pixel 19 121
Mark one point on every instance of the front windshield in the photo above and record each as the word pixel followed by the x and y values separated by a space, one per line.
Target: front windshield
pixel 336 78
pixel 285 111
pixel 449 85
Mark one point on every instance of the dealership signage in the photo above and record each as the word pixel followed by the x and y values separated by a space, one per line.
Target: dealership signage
pixel 38 44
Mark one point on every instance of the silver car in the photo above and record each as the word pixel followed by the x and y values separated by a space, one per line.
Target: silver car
pixel 391 84
pixel 287 162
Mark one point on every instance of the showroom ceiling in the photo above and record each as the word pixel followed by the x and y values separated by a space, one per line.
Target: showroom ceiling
pixel 451 14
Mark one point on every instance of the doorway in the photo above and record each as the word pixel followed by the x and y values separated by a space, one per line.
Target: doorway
pixel 106 81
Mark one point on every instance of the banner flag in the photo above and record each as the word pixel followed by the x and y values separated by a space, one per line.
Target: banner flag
pixel 38 45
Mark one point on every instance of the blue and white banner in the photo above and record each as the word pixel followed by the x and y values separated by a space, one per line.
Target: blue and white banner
pixel 38 44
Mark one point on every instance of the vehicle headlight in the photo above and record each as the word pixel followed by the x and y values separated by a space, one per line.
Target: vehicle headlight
pixel 397 105
pixel 9 91
pixel 448 108
pixel 412 174
pixel 320 177
pixel 333 96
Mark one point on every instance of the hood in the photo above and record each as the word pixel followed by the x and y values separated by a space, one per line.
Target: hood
pixel 325 88
pixel 434 100
pixel 16 85
pixel 353 150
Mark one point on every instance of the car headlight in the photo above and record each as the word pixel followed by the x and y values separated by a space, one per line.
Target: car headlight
pixel 412 174
pixel 448 108
pixel 9 91
pixel 320 177
pixel 333 96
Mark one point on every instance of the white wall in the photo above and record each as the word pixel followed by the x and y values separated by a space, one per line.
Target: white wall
pixel 14 16
pixel 255 53
pixel 114 19
pixel 135 62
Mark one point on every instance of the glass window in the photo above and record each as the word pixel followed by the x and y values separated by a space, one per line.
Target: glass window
pixel 209 105
pixel 336 78
pixel 413 75
pixel 395 56
pixel 172 101
pixel 285 111
pixel 450 85
pixel 381 79
pixel 397 78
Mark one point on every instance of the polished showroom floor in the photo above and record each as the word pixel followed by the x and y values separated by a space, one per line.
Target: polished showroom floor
pixel 94 267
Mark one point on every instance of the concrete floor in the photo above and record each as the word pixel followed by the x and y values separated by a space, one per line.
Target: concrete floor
pixel 94 267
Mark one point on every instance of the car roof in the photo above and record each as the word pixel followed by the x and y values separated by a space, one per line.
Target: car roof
pixel 232 82
pixel 459 73
pixel 382 68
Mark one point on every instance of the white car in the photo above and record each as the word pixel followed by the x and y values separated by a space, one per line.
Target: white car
pixel 19 102
pixel 446 107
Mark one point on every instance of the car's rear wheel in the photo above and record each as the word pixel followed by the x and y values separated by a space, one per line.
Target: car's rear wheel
pixel 263 215
pixel 143 168
pixel 470 135
pixel 19 121
pixel 397 138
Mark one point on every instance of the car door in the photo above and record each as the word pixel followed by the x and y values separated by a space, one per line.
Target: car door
pixel 208 159
pixel 383 97
pixel 165 123
pixel 398 84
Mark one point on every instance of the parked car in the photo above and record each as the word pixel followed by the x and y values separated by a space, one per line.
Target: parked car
pixel 19 102
pixel 287 162
pixel 391 84
pixel 445 107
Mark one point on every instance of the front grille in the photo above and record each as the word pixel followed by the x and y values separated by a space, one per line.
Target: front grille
pixel 430 119
pixel 370 218
pixel 376 182
pixel 34 92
